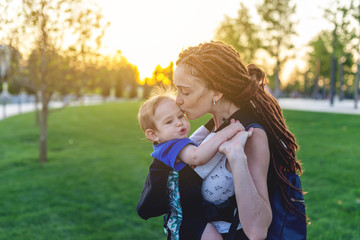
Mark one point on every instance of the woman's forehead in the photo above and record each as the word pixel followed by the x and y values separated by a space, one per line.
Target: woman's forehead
pixel 182 78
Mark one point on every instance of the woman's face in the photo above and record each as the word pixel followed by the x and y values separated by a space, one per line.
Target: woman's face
pixel 193 97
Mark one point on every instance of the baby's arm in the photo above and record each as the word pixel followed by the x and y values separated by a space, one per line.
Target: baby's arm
pixel 200 155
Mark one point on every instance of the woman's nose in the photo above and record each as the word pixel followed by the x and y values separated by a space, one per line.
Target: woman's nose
pixel 179 101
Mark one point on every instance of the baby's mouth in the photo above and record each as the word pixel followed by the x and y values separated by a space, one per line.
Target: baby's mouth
pixel 182 131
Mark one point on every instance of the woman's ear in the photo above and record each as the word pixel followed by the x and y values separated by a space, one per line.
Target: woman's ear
pixel 151 135
pixel 217 95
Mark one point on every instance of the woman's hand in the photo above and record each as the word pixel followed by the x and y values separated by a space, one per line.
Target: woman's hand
pixel 250 180
pixel 234 148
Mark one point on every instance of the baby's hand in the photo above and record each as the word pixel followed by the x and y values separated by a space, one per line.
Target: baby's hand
pixel 234 127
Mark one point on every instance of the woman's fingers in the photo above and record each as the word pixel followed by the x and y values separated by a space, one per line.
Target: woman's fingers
pixel 238 123
pixel 223 148
pixel 250 132
pixel 237 142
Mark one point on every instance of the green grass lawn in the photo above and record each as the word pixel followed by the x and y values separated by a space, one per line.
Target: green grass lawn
pixel 98 160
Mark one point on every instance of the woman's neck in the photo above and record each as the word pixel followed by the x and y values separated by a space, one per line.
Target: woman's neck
pixel 221 111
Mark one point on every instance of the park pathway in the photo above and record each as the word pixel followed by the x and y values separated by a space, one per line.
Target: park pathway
pixel 344 106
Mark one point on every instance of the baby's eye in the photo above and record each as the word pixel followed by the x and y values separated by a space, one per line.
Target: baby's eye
pixel 168 122
pixel 181 116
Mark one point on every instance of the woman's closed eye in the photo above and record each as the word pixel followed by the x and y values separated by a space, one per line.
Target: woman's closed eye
pixel 184 92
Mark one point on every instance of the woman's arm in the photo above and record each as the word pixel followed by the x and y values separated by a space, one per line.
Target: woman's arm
pixel 200 155
pixel 249 167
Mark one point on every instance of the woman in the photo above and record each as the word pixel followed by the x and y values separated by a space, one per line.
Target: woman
pixel 211 78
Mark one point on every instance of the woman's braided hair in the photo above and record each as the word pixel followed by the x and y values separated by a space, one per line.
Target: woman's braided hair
pixel 220 67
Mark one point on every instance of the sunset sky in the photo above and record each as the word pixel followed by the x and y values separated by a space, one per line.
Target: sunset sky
pixel 154 32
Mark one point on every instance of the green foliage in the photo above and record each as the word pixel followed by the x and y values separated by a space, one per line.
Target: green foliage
pixel 279 25
pixel 123 76
pixel 98 160
pixel 279 28
pixel 320 60
pixel 14 88
pixel 240 33
pixel 321 51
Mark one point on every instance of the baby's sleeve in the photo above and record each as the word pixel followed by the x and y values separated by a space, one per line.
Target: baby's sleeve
pixel 199 135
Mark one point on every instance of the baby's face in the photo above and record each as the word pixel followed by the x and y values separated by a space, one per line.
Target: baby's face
pixel 170 121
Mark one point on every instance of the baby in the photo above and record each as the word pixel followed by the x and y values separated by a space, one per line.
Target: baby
pixel 165 125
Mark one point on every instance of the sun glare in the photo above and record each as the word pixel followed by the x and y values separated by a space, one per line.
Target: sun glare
pixel 151 33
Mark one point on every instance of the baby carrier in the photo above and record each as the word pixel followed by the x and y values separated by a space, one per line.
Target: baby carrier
pixel 154 201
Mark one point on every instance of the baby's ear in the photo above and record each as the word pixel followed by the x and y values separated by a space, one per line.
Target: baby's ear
pixel 151 135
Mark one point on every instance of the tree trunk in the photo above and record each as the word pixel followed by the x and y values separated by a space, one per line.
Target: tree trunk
pixel 332 79
pixel 277 80
pixel 37 112
pixel 333 69
pixel 43 129
pixel 306 83
pixel 316 82
pixel 341 79
pixel 356 88
pixel 324 93
pixel 19 104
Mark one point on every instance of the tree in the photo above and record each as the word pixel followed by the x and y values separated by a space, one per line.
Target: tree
pixel 340 18
pixel 162 75
pixel 278 31
pixel 319 59
pixel 126 76
pixel 295 86
pixel 356 16
pixel 240 33
pixel 50 23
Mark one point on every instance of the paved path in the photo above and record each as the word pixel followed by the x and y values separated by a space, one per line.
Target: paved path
pixel 345 106
pixel 14 109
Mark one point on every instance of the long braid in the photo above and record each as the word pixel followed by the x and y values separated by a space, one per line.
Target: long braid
pixel 221 67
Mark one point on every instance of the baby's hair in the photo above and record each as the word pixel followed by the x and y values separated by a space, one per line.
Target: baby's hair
pixel 163 90
pixel 148 108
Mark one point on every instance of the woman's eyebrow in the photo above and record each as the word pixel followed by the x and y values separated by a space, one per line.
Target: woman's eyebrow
pixel 182 87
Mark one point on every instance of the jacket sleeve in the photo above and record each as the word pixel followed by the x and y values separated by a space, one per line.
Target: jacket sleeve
pixel 154 200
